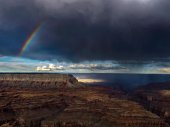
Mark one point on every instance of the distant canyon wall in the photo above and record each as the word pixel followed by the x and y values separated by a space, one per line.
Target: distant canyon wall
pixel 38 80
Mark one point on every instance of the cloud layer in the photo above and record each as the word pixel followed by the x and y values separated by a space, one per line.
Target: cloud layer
pixel 87 30
pixel 14 64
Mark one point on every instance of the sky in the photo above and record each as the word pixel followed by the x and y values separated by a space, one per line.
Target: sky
pixel 85 36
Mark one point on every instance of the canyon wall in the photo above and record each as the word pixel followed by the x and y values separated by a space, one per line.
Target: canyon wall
pixel 57 100
pixel 155 98
pixel 38 80
pixel 78 107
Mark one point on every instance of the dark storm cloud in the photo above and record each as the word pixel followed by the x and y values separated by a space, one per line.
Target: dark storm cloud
pixel 89 30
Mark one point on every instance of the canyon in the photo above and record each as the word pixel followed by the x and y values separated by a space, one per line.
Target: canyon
pixel 59 100
pixel 155 97
pixel 38 81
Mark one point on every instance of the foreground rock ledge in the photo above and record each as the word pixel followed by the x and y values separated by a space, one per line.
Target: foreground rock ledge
pixel 38 80
pixel 72 107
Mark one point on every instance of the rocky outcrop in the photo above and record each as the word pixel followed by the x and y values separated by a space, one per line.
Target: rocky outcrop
pixel 37 81
pixel 155 98
pixel 6 125
pixel 57 100
pixel 79 107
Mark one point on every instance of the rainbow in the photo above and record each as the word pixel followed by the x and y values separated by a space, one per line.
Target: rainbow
pixel 30 39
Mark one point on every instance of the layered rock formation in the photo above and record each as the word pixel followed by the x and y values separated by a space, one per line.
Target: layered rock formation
pixel 21 105
pixel 81 107
pixel 38 80
pixel 156 98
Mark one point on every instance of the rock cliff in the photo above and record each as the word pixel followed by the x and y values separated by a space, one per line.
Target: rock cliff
pixel 156 98
pixel 27 100
pixel 79 107
pixel 38 81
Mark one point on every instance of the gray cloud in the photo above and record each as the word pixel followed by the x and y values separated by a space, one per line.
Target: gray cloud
pixel 81 30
